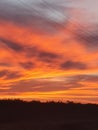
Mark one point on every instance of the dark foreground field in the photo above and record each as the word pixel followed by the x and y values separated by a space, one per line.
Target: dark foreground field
pixel 19 115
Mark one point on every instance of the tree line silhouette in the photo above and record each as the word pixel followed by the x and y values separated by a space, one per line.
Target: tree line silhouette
pixel 35 115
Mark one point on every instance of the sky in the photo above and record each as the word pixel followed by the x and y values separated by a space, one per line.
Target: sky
pixel 49 50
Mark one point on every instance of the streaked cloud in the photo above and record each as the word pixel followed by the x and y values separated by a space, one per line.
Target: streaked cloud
pixel 48 49
pixel 9 75
pixel 37 14
pixel 88 37
pixel 73 65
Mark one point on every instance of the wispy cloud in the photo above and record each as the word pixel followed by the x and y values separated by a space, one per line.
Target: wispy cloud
pixel 49 47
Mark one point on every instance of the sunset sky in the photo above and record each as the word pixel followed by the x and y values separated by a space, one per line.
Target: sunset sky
pixel 49 50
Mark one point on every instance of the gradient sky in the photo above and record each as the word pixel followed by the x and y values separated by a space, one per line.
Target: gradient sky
pixel 49 50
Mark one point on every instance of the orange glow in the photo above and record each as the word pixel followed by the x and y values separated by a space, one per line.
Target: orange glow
pixel 47 66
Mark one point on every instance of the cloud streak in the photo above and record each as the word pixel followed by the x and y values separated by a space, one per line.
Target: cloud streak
pixel 48 49
pixel 37 14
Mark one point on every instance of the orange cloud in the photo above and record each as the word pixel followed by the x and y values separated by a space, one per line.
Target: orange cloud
pixel 48 60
